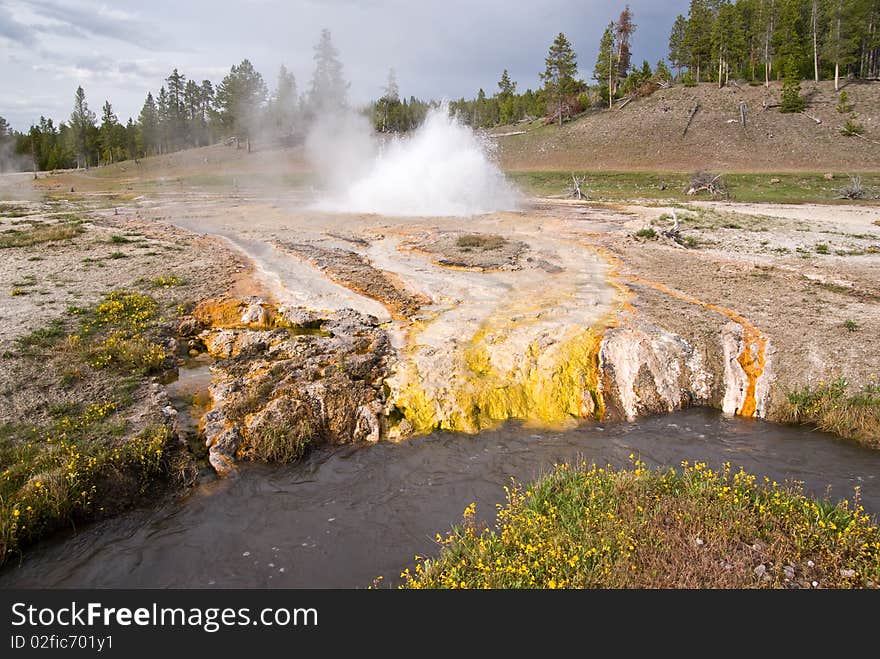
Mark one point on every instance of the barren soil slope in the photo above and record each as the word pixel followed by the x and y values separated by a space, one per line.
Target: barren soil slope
pixel 649 133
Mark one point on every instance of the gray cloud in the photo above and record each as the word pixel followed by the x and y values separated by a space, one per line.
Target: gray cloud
pixel 99 20
pixel 13 30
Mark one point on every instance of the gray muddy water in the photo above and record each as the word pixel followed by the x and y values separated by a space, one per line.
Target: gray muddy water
pixel 344 517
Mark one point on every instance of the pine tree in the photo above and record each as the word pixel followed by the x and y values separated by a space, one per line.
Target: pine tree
pixel 506 98
pixel 768 28
pixel 559 74
pixel 328 90
pixel 662 71
pixel 148 122
pixel 791 35
pixel 698 36
pixel 108 136
pixel 677 48
pixel 284 104
pixel 604 70
pixel 792 101
pixel 239 98
pixel 163 119
pixel 82 122
pixel 840 42
pixel 207 108
pixel 623 31
pixel 176 116
pixel 728 42
pixel 389 104
pixel 131 139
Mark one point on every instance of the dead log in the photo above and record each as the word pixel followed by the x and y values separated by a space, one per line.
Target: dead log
pixel 862 137
pixel 706 182
pixel 625 102
pixel 816 119
pixel 690 119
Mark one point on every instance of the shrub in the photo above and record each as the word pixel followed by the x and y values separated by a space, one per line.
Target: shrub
pixel 852 128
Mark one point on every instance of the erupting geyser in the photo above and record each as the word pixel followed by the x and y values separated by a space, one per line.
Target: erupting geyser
pixel 443 169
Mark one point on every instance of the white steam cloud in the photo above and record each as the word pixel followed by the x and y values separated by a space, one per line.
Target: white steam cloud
pixel 442 169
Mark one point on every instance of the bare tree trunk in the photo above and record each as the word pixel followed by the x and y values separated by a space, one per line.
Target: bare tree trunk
pixel 34 156
pixel 768 64
pixel 837 57
pixel 720 72
pixel 610 81
pixel 814 24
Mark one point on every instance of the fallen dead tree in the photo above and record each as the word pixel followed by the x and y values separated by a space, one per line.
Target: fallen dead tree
pixel 855 190
pixel 707 182
pixel 690 119
pixel 574 190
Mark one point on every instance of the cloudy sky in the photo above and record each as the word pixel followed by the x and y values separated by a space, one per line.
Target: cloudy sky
pixel 119 50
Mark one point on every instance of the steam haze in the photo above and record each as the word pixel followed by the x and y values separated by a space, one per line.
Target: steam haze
pixel 442 169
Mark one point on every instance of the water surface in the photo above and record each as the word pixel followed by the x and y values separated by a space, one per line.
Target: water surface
pixel 344 517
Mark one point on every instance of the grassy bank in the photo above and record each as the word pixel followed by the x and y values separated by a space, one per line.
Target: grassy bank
pixel 82 457
pixel 589 527
pixel 834 407
pixel 788 188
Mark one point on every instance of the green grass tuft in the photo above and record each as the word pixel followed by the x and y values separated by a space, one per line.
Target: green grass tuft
pixel 833 407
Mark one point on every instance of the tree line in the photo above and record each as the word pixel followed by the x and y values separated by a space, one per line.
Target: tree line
pixel 763 40
pixel 183 114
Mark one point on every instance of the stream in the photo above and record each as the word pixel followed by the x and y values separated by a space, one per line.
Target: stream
pixel 343 517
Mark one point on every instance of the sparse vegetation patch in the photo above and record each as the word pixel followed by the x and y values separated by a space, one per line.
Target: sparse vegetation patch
pixel 595 527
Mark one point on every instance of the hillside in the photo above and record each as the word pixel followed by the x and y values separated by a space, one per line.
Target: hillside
pixel 647 133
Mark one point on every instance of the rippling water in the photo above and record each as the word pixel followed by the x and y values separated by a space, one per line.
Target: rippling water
pixel 344 517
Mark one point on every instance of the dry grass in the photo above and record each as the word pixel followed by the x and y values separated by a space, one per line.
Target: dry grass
pixel 589 527
pixel 283 442
pixel 39 234
pixel 480 241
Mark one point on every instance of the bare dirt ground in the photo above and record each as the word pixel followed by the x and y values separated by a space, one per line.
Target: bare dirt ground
pixel 649 133
pixel 50 282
